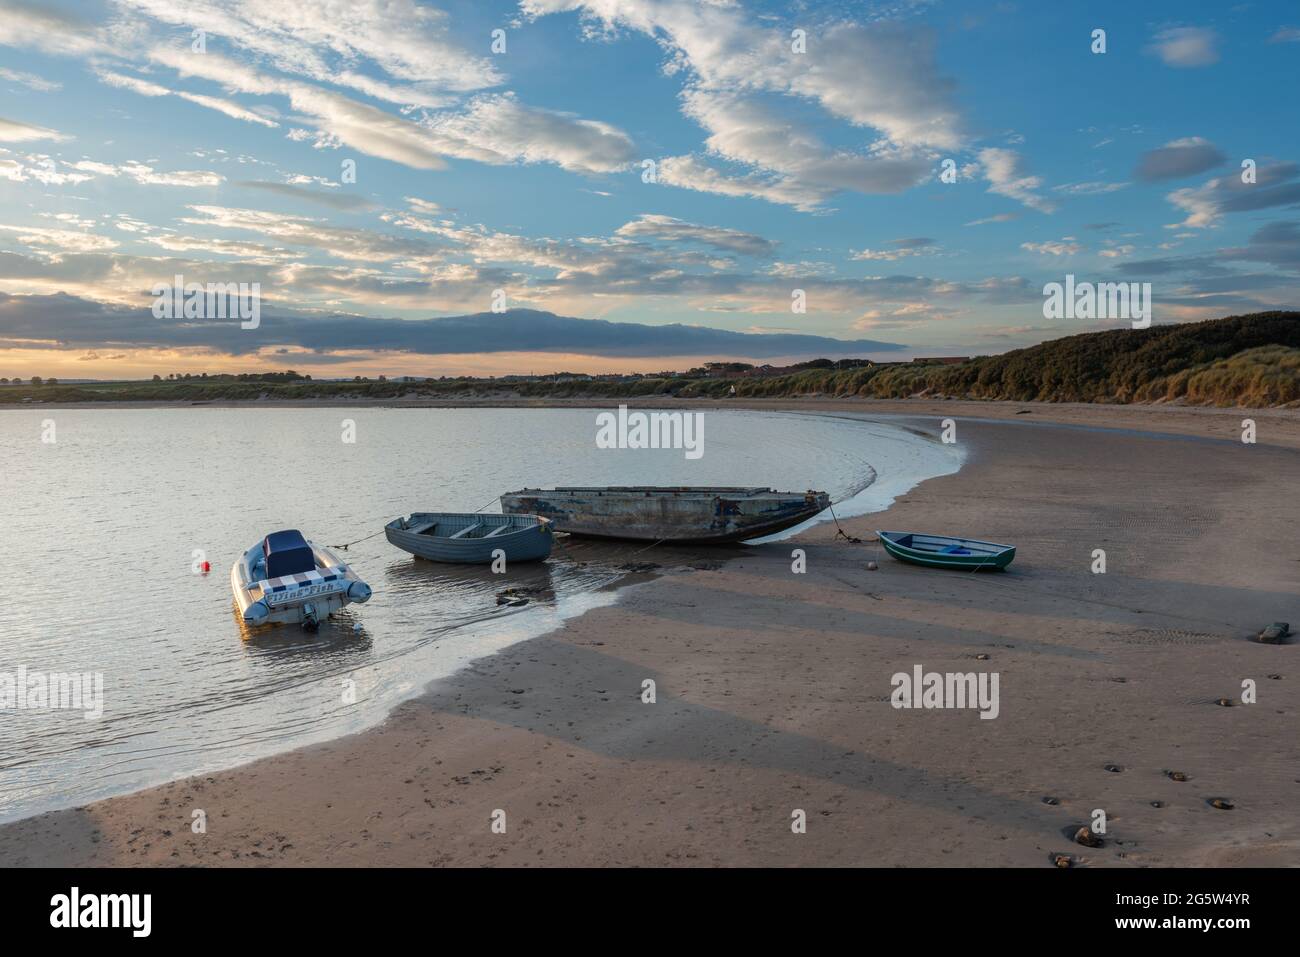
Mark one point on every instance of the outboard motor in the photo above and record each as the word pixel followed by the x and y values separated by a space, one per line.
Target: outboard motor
pixel 310 621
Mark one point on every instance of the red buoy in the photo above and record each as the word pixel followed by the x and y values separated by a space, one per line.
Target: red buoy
pixel 207 567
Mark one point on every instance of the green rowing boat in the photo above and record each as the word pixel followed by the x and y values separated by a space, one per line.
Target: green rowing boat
pixel 940 551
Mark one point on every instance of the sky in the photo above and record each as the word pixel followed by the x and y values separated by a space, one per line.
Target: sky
pixel 638 184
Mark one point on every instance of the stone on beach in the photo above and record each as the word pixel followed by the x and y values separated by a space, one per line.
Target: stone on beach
pixel 1274 633
pixel 1085 837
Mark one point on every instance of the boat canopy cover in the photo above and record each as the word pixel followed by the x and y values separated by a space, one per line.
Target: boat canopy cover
pixel 287 553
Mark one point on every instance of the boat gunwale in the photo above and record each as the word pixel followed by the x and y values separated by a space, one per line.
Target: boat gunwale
pixel 952 538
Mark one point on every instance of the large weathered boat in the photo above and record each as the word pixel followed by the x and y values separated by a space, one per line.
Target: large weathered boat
pixel 703 515
pixel 475 538
pixel 285 579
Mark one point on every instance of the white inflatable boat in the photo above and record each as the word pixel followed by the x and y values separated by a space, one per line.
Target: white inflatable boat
pixel 285 579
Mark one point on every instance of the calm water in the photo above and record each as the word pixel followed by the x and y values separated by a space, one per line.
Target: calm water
pixel 100 527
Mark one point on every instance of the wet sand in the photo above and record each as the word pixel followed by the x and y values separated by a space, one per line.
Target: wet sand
pixel 773 691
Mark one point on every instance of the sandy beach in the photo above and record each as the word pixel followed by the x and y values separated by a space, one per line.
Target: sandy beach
pixel 773 689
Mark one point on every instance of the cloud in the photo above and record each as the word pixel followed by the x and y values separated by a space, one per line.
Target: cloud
pixel 1186 46
pixel 493 128
pixel 881 76
pixel 783 152
pixel 901 249
pixel 221 105
pixel 305 232
pixel 689 172
pixel 345 202
pixel 998 218
pixel 1286 35
pixel 906 315
pixel 148 176
pixel 404 40
pixel 13 131
pixel 60 240
pixel 1089 189
pixel 40 168
pixel 46 29
pixel 1064 247
pixel 1179 158
pixel 1276 243
pixel 1004 170
pixel 1274 186
pixel 29 80
pixel 498 128
pixel 667 228
pixel 1116 252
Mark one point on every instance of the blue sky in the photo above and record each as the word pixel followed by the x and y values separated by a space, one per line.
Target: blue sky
pixel 129 157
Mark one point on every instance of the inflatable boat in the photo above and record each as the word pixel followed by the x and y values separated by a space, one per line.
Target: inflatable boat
pixel 285 579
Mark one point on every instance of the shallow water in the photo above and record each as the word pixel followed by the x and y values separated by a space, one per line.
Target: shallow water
pixel 101 526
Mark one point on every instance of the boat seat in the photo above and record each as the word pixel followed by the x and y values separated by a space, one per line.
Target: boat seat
pixel 464 532
pixel 419 528
pixel 955 550
pixel 500 529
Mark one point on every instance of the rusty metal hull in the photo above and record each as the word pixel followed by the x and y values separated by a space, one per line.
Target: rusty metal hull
pixel 684 515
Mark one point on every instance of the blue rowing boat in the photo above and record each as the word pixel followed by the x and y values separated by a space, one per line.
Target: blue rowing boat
pixel 943 551
pixel 471 538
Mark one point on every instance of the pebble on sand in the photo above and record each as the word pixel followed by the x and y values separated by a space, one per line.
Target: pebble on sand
pixel 1085 837
pixel 1224 702
pixel 1062 860
pixel 872 566
pixel 1274 633
pixel 1177 776
pixel 1114 768
pixel 1222 804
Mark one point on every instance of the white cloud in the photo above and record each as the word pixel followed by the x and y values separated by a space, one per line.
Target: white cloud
pixel 46 29
pixel 29 80
pixel 325 41
pixel 494 129
pixel 667 228
pixel 881 76
pixel 1186 46
pixel 1093 188
pixel 1004 171
pixel 61 240
pixel 689 172
pixel 13 131
pixel 305 232
pixel 898 249
pixel 998 218
pixel 1064 247
pixel 146 88
pixel 498 128
pixel 147 176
